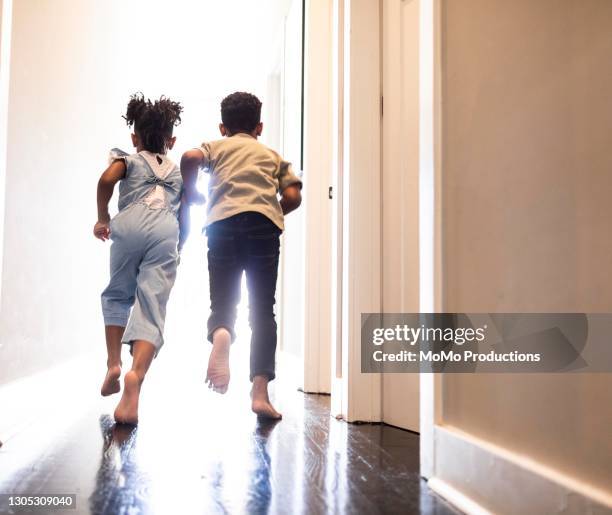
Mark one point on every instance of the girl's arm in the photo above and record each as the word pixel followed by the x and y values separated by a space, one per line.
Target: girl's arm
pixel 184 223
pixel 106 185
pixel 190 166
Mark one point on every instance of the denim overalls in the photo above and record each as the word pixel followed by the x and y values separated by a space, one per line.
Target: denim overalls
pixel 143 256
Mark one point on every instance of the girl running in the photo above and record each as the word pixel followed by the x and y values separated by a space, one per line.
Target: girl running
pixel 143 256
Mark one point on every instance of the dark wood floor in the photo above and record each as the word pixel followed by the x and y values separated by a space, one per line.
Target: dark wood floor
pixel 203 453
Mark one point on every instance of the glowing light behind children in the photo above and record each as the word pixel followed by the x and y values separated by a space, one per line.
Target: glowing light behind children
pixel 73 66
pixel 208 48
pixel 93 56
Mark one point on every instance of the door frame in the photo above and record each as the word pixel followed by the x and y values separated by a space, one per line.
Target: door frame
pixel 400 148
pixel 347 56
pixel 430 216
pixel 356 242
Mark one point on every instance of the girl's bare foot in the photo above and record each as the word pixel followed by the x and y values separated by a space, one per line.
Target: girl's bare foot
pixel 218 373
pixel 127 409
pixel 111 381
pixel 260 401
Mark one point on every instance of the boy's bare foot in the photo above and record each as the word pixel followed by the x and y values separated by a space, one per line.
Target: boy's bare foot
pixel 111 381
pixel 263 409
pixel 218 373
pixel 260 401
pixel 127 409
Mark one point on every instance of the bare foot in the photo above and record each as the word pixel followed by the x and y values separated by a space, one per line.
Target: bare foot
pixel 127 409
pixel 260 401
pixel 218 373
pixel 111 381
pixel 264 409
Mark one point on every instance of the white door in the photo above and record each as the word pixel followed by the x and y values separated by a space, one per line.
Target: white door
pixel 400 191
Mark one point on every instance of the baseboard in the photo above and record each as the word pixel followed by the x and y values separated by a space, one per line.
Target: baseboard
pixel 456 498
pixel 479 477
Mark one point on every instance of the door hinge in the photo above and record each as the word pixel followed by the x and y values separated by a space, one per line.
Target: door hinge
pixel 330 192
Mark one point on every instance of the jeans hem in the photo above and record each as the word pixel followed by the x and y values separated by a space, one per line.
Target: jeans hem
pixel 221 326
pixel 269 374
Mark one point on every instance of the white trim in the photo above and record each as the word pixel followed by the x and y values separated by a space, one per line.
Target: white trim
pixel 427 162
pixel 456 498
pixel 361 245
pixel 317 206
pixel 337 47
pixel 429 212
pixel 6 21
pixel 460 463
pixel 400 271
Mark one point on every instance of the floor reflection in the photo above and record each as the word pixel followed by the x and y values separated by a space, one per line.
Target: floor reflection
pixel 121 486
pixel 260 484
pixel 198 452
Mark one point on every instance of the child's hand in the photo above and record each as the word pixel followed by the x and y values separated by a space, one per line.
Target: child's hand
pixel 102 231
pixel 291 198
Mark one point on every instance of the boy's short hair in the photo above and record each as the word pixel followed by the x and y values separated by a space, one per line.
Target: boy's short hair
pixel 240 112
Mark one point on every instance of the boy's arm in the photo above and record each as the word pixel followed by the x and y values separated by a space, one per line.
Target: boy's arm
pixel 291 198
pixel 106 185
pixel 290 186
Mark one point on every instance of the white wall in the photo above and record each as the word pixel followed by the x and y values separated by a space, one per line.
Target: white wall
pixel 52 274
pixel 74 65
pixel 527 125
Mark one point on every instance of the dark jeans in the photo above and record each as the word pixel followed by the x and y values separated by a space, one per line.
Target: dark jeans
pixel 250 242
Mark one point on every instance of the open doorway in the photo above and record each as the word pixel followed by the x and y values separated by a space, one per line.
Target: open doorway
pixel 73 67
pixel 277 81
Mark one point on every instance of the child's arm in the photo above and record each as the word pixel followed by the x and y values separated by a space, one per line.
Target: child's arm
pixel 291 198
pixel 184 222
pixel 190 165
pixel 290 187
pixel 106 185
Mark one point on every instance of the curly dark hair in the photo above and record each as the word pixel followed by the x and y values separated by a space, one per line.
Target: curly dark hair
pixel 240 112
pixel 153 121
